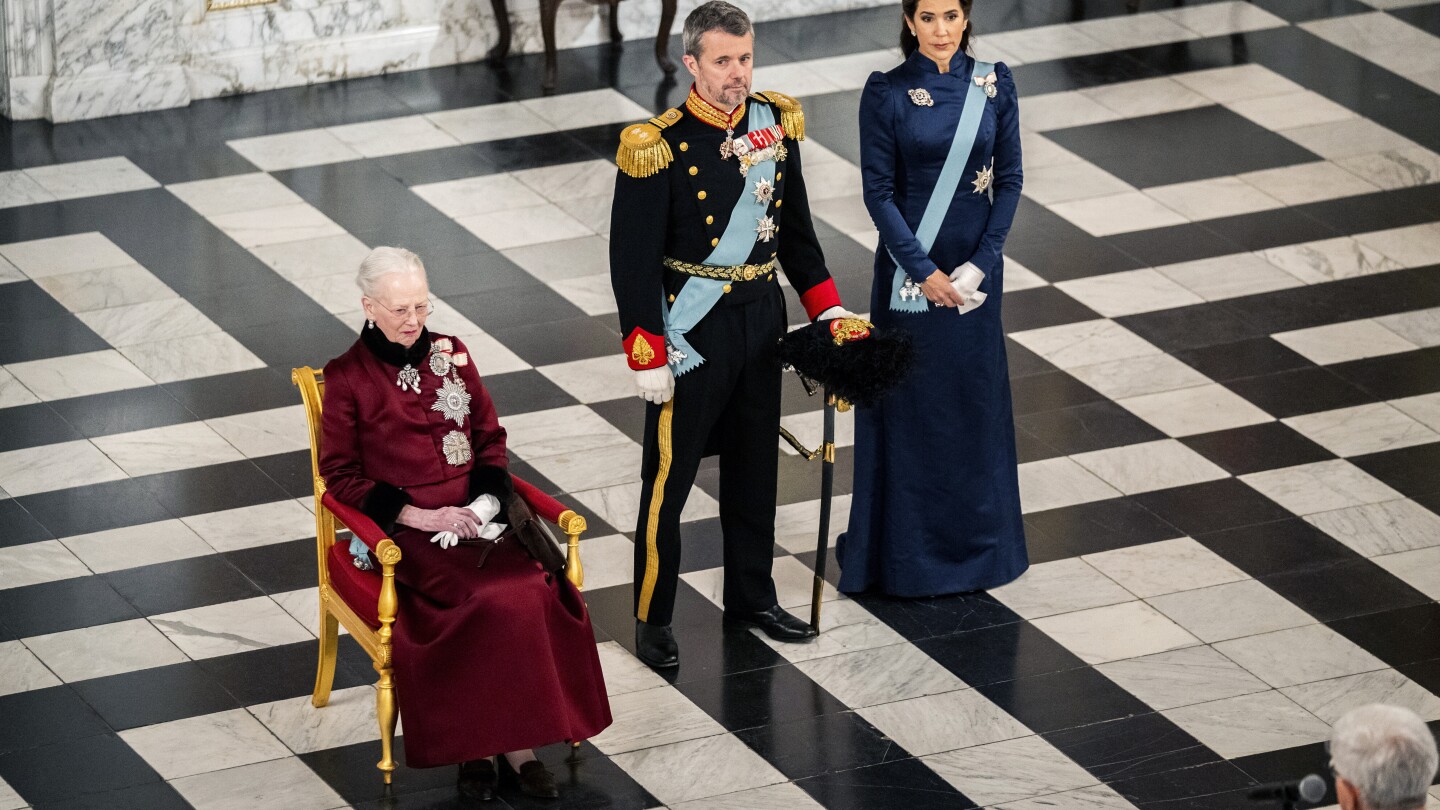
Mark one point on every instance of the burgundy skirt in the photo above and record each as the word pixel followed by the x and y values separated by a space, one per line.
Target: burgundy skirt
pixel 488 659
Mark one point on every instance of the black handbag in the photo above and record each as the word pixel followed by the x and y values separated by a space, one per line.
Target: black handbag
pixel 534 535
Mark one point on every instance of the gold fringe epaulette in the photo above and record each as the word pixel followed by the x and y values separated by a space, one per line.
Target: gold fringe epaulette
pixel 643 150
pixel 792 118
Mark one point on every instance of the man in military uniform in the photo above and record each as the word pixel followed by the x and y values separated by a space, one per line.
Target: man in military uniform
pixel 709 197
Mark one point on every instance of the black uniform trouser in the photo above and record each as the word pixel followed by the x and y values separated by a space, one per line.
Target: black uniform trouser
pixel 729 405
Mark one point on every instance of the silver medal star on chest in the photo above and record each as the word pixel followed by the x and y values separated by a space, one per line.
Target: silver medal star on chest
pixel 452 400
pixel 984 177
pixel 764 191
pixel 765 229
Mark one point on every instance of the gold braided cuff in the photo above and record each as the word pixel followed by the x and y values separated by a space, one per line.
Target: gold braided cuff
pixel 738 272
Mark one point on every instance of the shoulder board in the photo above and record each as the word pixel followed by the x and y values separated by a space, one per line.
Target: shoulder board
pixel 792 117
pixel 643 150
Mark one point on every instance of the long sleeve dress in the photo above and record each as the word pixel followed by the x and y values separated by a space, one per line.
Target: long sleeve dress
pixel 936 505
pixel 488 658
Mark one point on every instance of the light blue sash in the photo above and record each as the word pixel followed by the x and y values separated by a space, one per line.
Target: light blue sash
pixel 945 186
pixel 699 295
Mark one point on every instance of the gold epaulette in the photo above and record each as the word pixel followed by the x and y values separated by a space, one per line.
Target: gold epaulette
pixel 792 118
pixel 643 150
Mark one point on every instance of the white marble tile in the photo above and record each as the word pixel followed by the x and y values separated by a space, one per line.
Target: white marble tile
pixel 1076 180
pixel 1009 771
pixel 794 585
pixel 1053 483
pixel 560 431
pixel 265 433
pixel 851 71
pixel 844 627
pixel 336 292
pixel 798 77
pixel 1349 138
pixel 624 672
pixel 1084 343
pixel 303 605
pixel 1134 31
pixel 192 357
pixel 944 722
pixel 393 136
pixel 279 783
pixel 1250 724
pixel 55 466
pixel 1150 466
pixel 269 226
pixel 1060 586
pixel 1320 487
pixel 1153 569
pixel 9 273
pixel 1115 632
pixel 1138 376
pixel 1411 246
pixel 620 505
pixel 668 771
pixel 165 449
pixel 307 258
pixel 1019 277
pixel 570 181
pixel 1329 700
pixel 1039 152
pixel 17 189
pixel 882 675
pixel 1396 168
pixel 1381 528
pixel 1118 213
pixel 1424 409
pixel 148 322
pixel 1301 109
pixel 594 468
pixel 209 742
pixel 1420 569
pixel 1343 342
pixel 598 379
pixel 786 796
pixel 37 563
pixel 1299 655
pixel 65 254
pixel 608 561
pixel 490 122
pixel 239 192
pixel 1229 276
pixel 797 525
pixel 253 526
pixel 1064 109
pixel 1182 677
pixel 490 356
pixel 1362 429
pixel 1218 19
pixel 1202 409
pixel 570 258
pixel 105 649
pixel 88 290
pixel 651 717
pixel 134 546
pixel 21 671
pixel 293 150
pixel 1237 82
pixel 1214 198
pixel 1096 797
pixel 1232 610
pixel 592 212
pixel 231 627
pixel 1128 293
pixel 13 392
pixel 1308 182
pixel 76 375
pixel 1143 97
pixel 1329 260
pixel 592 294
pixel 348 719
pixel 847 214
pixel 1380 38
pixel 587 109
pixel 1045 42
pixel 479 195
pixel 90 178
pixel 524 226
pixel 841 178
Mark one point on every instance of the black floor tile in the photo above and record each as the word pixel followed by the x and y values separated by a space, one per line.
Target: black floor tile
pixel 58 336
pixel 1345 590
pixel 1425 17
pixel 484 275
pixel 1040 307
pixel 122 411
pixel 67 512
pixel 23 303
pixel 760 697
pixel 1425 673
pixel 918 619
pixel 524 303
pixel 1051 391
pixel 432 238
pixel 34 425
pixel 1177 243
pixel 18 526
pixel 1414 471
pixel 849 742
pixel 905 784
pixel 1395 376
pixel 587 781
pixel 44 716
pixel 278 567
pixel 1090 528
pixel 1252 357
pixel 1214 786
pixel 198 162
pixel 240 392
pixel 1378 211
pixel 1131 747
pixel 291 471
pixel 1022 362
pixel 182 584
pixel 1268 229
pixel 156 695
pixel 1268 446
pixel 1028 448
pixel 999 654
pixel 1301 391
pixel 278 673
pixel 1192 327
pixel 436 165
pixel 1079 73
pixel 558 341
pixel 1306 10
pixel 306 343
pixel 1083 428
pixel 1282 547
pixel 212 489
pixel 525 391
pixel 1212 506
pixel 1403 636
pixel 627 414
pixel 536 151
pixel 68 604
pixel 350 770
pixel 147 796
pixel 702 545
pixel 1062 700
pixel 1289 765
pixel 65 771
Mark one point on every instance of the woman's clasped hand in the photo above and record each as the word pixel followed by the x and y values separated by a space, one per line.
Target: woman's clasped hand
pixel 937 288
pixel 458 519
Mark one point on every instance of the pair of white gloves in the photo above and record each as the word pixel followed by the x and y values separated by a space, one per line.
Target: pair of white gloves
pixel 657 385
pixel 485 507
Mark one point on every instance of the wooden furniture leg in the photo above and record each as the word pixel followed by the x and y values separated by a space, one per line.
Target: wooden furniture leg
pixel 615 35
pixel 502 23
pixel 662 39
pixel 548 10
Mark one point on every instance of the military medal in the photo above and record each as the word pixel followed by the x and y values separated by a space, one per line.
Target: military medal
pixel 764 191
pixel 984 176
pixel 987 82
pixel 674 356
pixel 408 379
pixel 754 148
pixel 727 146
pixel 910 291
pixel 765 229
pixel 456 447
pixel 921 97
pixel 453 401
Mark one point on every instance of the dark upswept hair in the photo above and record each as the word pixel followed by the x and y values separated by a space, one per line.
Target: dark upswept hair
pixel 715 15
pixel 908 42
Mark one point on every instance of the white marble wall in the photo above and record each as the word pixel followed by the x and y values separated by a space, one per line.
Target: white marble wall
pixel 68 60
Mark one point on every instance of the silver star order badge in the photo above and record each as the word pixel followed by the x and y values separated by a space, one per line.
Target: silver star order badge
pixel 456 447
pixel 408 379
pixel 764 191
pixel 765 228
pixel 674 356
pixel 452 400
pixel 984 176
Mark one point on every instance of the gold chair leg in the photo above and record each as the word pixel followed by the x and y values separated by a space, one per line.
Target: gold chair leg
pixel 329 648
pixel 385 713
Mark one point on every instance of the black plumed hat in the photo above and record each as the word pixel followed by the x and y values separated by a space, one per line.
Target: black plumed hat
pixel 855 361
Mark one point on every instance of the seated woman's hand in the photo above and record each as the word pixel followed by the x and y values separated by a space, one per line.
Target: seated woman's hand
pixel 937 288
pixel 457 519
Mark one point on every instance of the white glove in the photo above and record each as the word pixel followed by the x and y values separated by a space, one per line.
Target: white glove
pixel 835 312
pixel 966 280
pixel 655 385
pixel 485 507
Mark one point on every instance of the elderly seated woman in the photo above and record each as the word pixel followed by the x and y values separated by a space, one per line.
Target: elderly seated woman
pixel 493 655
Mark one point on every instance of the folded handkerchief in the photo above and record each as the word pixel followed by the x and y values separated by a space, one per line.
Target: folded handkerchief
pixel 966 281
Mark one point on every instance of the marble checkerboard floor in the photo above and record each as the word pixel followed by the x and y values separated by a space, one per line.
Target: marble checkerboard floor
pixel 1224 322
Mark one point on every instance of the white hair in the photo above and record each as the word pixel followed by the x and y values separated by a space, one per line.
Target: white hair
pixel 384 261
pixel 1387 753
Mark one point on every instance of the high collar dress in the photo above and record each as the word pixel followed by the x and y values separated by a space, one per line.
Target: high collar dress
pixel 936 503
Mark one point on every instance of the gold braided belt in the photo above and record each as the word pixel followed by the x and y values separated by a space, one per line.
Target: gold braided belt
pixel 738 272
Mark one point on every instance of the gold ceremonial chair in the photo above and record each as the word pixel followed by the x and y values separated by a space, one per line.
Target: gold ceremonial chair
pixel 365 601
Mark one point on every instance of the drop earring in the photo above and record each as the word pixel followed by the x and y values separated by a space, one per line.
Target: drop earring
pixel 372 324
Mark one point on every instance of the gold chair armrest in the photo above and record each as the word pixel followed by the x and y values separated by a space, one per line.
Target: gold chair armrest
pixel 573 525
pixel 388 555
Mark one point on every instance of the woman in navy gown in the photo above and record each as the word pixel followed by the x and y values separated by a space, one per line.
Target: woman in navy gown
pixel 936 506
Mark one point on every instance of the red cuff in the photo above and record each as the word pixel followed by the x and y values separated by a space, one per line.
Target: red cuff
pixel 644 350
pixel 819 298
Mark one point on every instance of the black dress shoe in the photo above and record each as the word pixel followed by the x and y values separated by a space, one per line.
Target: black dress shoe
pixel 538 782
pixel 478 780
pixel 776 624
pixel 655 645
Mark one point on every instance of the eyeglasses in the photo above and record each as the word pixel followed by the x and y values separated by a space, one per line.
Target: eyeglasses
pixel 403 313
